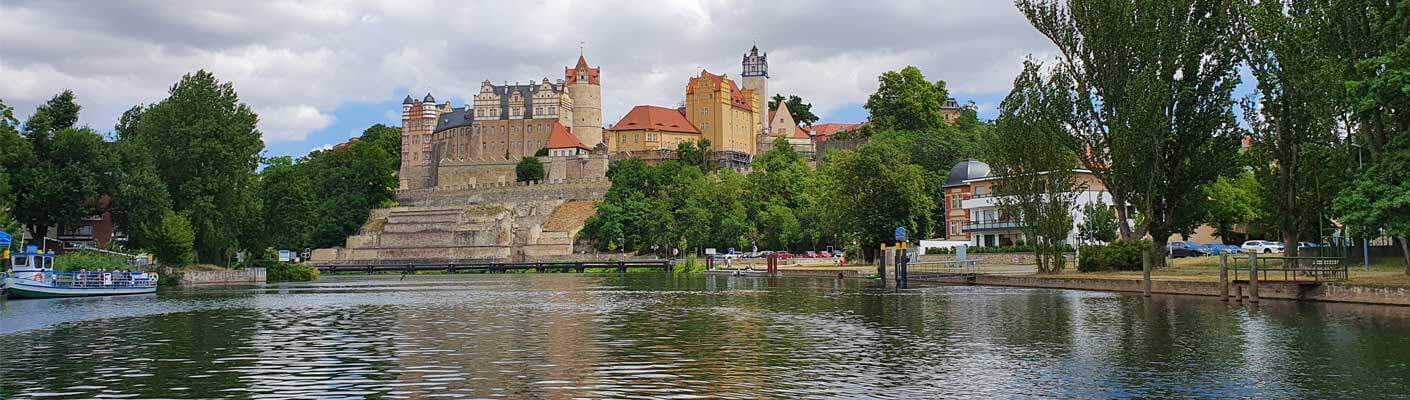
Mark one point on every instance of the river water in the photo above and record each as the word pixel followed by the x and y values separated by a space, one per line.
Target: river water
pixel 560 336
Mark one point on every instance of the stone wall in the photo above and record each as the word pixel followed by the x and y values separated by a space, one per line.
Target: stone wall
pixel 1333 292
pixel 235 277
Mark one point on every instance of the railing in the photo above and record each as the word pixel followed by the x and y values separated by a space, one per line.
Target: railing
pixel 92 279
pixel 995 224
pixel 942 269
pixel 1290 269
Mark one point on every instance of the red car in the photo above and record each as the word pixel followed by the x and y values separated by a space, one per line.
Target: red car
pixel 783 255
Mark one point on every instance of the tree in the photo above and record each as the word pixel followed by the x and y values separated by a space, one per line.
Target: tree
pixel 801 112
pixel 905 100
pixel 351 181
pixel 59 172
pixel 697 154
pixel 1032 157
pixel 1099 224
pixel 1234 201
pixel 1379 199
pixel 529 169
pixel 205 147
pixel 1150 85
pixel 289 204
pixel 1293 121
pixel 139 199
pixel 875 189
pixel 172 240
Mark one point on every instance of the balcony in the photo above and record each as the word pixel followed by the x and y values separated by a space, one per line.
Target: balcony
pixel 993 225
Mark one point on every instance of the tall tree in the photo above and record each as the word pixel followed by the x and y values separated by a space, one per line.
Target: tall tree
pixel 1151 83
pixel 290 204
pixel 205 147
pixel 139 197
pixel 801 112
pixel 59 171
pixel 1379 200
pixel 1293 121
pixel 1032 155
pixel 875 189
pixel 905 100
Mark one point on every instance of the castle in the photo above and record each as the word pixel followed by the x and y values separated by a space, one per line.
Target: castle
pixel 480 143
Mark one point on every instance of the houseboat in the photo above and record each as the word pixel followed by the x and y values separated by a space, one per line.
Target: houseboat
pixel 32 275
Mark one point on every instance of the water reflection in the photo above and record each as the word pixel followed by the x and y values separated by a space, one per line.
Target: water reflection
pixel 561 336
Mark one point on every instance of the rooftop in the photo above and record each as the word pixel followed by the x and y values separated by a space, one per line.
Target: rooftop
pixel 654 118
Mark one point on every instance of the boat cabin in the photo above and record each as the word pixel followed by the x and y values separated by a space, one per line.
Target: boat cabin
pixel 31 259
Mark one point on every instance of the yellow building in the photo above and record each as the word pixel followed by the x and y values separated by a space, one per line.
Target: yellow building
pixel 723 113
pixel 650 132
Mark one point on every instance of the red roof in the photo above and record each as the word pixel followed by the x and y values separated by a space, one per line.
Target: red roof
pixel 736 96
pixel 829 129
pixel 799 133
pixel 560 138
pixel 654 118
pixel 571 74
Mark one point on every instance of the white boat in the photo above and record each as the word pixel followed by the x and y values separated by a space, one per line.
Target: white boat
pixel 32 275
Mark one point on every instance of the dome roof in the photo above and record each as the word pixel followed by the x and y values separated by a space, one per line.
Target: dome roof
pixel 408 100
pixel 966 170
pixel 429 99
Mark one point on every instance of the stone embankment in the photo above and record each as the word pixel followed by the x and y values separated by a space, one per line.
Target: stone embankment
pixel 247 276
pixel 1334 292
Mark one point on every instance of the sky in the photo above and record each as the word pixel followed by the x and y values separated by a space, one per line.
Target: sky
pixel 319 72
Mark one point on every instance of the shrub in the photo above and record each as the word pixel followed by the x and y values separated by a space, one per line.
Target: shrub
pixel 692 266
pixel 172 240
pixel 1120 255
pixel 528 169
pixel 84 260
pixel 937 250
pixel 276 271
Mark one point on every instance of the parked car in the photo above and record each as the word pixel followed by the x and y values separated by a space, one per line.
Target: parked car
pixel 1308 245
pixel 1232 249
pixel 1261 246
pixel 824 254
pixel 783 255
pixel 1184 249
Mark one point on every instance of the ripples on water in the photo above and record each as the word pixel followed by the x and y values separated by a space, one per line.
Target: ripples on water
pixel 660 336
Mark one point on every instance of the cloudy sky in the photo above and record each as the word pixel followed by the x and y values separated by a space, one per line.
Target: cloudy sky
pixel 318 72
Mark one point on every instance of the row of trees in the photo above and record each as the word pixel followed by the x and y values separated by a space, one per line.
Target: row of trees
pixel 855 199
pixel 181 176
pixel 1142 94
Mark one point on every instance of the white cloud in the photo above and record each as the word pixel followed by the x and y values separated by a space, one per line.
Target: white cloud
pixel 291 123
pixel 296 62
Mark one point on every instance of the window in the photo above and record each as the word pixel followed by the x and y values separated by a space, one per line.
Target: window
pixel 979 191
pixel 704 111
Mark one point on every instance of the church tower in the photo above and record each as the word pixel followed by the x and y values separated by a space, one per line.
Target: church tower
pixel 585 89
pixel 756 78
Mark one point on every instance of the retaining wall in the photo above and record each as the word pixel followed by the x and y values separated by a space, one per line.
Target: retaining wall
pixel 235 277
pixel 1334 292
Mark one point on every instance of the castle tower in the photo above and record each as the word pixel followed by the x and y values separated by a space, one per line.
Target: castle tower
pixel 756 78
pixel 585 90
pixel 418 121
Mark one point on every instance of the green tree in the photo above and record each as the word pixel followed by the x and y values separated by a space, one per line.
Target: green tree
pixel 55 115
pixel 875 189
pixel 1032 157
pixel 697 154
pixel 528 169
pixel 171 242
pixel 906 100
pixel 801 112
pixel 289 203
pixel 1293 121
pixel 1150 83
pixel 1379 199
pixel 1099 224
pixel 351 181
pixel 1232 202
pixel 205 147
pixel 60 171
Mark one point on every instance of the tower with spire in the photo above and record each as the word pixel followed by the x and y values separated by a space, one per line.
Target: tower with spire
pixel 756 78
pixel 418 120
pixel 585 89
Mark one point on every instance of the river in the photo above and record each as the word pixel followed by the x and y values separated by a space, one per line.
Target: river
pixel 560 336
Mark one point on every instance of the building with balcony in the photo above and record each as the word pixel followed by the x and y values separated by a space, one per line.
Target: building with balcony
pixel 973 214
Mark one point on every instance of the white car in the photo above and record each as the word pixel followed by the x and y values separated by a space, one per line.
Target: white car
pixel 1262 246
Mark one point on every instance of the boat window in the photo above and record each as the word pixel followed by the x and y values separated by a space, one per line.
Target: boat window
pixel 20 261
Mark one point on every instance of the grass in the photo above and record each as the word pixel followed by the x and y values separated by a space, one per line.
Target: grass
pixel 1386 272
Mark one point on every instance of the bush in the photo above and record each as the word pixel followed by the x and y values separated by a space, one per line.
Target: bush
pixel 936 250
pixel 692 266
pixel 172 240
pixel 1120 255
pixel 276 271
pixel 91 261
pixel 528 169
